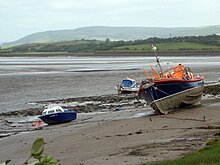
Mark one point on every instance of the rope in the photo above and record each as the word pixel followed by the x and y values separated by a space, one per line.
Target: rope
pixel 165 93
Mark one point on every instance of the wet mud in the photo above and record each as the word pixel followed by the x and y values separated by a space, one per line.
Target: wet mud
pixel 21 121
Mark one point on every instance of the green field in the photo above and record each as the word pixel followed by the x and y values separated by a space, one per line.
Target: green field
pixel 167 47
pixel 210 155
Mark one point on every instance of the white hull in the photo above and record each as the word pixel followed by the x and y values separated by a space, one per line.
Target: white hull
pixel 128 89
pixel 169 103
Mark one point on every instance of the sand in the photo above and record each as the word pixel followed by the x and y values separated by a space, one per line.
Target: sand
pixel 127 136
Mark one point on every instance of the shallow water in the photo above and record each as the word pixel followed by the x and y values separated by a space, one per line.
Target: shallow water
pixel 53 65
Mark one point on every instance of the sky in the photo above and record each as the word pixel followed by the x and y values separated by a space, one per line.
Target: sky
pixel 19 18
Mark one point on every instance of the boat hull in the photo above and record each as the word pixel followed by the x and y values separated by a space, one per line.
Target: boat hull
pixel 57 118
pixel 165 96
pixel 128 90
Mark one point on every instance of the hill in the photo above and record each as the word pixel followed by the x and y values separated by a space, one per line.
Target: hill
pixel 114 33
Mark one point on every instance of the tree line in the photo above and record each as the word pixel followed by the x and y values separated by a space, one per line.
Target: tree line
pixel 96 45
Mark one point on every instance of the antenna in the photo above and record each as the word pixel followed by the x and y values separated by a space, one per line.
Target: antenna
pixel 157 59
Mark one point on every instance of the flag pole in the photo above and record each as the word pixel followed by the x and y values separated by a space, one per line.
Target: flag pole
pixel 157 59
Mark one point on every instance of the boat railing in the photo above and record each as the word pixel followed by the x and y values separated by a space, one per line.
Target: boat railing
pixel 175 72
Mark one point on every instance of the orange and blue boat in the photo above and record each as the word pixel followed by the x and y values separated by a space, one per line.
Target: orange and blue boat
pixel 170 89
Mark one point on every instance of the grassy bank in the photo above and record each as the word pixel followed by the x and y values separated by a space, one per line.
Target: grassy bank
pixel 208 155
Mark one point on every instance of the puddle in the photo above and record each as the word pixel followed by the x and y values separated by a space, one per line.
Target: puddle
pixel 145 114
pixel 214 104
pixel 27 119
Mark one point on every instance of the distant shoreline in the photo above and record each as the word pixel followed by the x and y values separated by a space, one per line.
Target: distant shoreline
pixel 49 54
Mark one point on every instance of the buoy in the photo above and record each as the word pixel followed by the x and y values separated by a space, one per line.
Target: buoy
pixel 34 124
pixel 39 123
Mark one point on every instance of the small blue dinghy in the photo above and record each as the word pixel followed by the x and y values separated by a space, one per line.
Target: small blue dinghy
pixel 57 115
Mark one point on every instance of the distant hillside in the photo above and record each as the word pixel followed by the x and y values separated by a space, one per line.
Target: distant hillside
pixel 114 33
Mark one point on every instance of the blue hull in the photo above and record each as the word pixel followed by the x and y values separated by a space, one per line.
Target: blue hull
pixel 57 118
pixel 171 92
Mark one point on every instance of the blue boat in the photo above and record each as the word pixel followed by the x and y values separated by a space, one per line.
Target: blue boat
pixel 169 89
pixel 57 115
pixel 128 85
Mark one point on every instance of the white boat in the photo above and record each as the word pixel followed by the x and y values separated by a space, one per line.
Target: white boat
pixel 128 85
pixel 57 114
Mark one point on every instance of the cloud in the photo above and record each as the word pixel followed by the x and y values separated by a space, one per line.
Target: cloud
pixel 21 17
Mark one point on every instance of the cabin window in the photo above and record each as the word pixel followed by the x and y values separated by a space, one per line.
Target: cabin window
pixel 126 83
pixel 44 113
pixel 51 111
pixel 58 110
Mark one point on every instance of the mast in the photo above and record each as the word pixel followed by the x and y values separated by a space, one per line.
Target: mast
pixel 157 59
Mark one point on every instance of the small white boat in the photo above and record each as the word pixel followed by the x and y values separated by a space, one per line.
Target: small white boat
pixel 128 85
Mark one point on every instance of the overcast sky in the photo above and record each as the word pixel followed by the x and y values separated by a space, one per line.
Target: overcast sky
pixel 19 18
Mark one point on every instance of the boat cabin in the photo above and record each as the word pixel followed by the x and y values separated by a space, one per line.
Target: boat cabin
pixel 127 82
pixel 178 72
pixel 56 109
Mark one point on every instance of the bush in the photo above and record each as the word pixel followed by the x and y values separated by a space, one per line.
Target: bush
pixel 37 154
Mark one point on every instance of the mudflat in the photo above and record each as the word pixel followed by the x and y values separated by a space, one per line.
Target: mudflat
pixel 121 137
